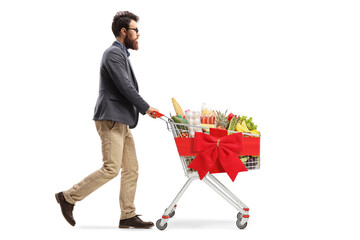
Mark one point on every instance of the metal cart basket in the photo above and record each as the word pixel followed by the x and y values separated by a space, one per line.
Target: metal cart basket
pixel 180 130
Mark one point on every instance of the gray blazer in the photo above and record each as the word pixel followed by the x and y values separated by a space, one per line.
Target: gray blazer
pixel 119 98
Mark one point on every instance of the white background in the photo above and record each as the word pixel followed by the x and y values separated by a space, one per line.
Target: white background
pixel 291 65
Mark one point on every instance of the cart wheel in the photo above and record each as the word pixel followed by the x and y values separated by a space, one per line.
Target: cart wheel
pixel 240 226
pixel 159 226
pixel 239 216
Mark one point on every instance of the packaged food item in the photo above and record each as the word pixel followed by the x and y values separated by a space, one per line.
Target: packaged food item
pixel 207 114
pixel 193 118
pixel 206 110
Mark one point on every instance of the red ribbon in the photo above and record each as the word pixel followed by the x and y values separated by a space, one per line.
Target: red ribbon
pixel 224 149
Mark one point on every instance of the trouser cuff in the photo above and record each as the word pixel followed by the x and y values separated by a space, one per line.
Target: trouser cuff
pixel 68 198
pixel 127 215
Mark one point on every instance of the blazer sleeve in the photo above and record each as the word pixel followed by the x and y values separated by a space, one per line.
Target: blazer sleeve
pixel 115 63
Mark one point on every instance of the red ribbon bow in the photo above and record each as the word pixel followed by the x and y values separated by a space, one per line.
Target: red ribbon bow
pixel 225 149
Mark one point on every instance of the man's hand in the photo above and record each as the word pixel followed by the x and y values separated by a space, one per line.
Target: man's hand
pixel 150 110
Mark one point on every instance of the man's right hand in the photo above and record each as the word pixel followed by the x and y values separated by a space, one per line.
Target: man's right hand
pixel 150 111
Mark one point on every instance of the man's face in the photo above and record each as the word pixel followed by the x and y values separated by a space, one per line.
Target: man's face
pixel 131 36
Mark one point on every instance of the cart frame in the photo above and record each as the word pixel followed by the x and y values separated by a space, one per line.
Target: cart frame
pixel 209 179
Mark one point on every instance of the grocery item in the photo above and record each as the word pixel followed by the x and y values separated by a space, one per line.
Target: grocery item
pixel 243 125
pixel 177 108
pixel 238 127
pixel 233 122
pixel 207 114
pixel 252 162
pixel 208 125
pixel 178 119
pixel 249 123
pixel 255 132
pixel 221 127
pixel 193 118
pixel 230 116
pixel 221 119
pixel 183 134
pixel 244 158
pixel 206 110
pixel 246 125
pixel 208 118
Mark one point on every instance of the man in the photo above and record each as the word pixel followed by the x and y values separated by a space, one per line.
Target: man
pixel 116 112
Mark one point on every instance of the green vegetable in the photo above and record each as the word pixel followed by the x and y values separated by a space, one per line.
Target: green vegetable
pixel 179 116
pixel 178 119
pixel 249 123
pixel 233 123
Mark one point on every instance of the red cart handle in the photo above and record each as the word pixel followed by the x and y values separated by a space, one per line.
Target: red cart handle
pixel 157 114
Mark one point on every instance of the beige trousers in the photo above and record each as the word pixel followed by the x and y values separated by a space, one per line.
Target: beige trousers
pixel 118 150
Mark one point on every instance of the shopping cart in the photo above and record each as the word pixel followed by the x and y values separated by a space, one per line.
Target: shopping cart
pixel 181 131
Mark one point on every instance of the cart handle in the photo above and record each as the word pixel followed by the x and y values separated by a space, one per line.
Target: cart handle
pixel 161 116
pixel 157 114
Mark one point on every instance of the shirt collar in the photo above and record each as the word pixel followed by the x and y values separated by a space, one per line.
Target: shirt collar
pixel 124 48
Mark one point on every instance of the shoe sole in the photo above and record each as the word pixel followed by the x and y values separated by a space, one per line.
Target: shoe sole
pixel 125 226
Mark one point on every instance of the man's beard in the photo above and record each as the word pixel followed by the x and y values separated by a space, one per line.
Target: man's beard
pixel 131 44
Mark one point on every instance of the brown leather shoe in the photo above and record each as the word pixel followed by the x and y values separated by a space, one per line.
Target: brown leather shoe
pixel 135 222
pixel 66 208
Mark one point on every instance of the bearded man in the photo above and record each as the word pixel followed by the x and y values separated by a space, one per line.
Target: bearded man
pixel 116 112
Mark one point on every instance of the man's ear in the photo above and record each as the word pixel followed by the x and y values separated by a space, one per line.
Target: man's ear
pixel 122 31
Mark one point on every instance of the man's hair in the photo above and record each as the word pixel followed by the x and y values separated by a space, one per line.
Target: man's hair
pixel 121 20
